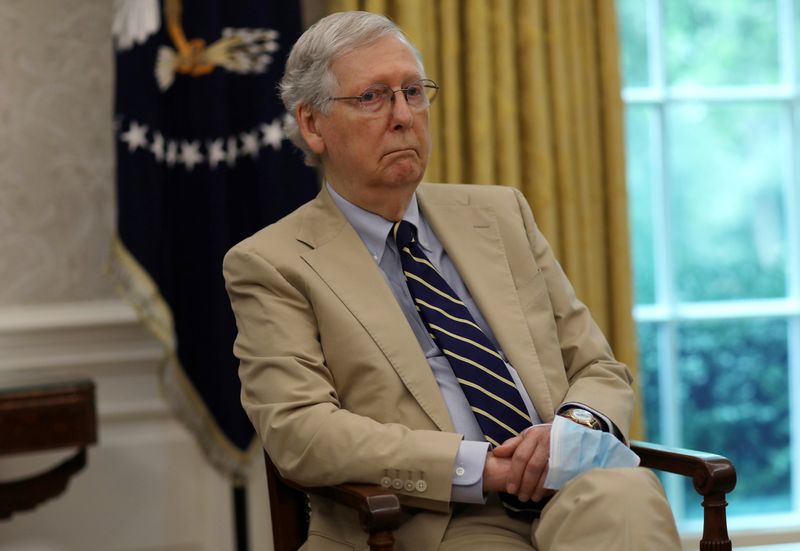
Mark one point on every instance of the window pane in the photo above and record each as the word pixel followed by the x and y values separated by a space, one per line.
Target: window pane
pixel 725 178
pixel 648 380
pixel 708 42
pixel 796 7
pixel 640 128
pixel 734 379
pixel 632 15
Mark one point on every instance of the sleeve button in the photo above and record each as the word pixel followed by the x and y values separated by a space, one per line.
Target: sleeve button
pixel 386 482
pixel 460 471
pixel 409 486
pixel 422 485
pixel 397 484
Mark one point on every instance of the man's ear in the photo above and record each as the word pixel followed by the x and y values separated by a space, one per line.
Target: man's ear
pixel 307 121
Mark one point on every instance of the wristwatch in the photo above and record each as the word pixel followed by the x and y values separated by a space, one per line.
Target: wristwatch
pixel 582 417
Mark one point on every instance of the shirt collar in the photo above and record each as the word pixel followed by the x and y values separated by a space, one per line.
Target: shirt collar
pixel 373 228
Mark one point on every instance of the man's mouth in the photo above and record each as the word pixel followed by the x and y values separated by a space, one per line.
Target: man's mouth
pixel 400 151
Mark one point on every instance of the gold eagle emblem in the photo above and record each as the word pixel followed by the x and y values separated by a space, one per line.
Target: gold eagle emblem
pixel 238 50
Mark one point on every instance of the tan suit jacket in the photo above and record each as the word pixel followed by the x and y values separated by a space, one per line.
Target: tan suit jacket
pixel 335 381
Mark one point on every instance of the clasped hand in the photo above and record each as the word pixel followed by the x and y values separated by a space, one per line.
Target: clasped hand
pixel 519 465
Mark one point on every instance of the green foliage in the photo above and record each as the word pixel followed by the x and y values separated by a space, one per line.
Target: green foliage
pixel 714 43
pixel 641 180
pixel 733 400
pixel 725 175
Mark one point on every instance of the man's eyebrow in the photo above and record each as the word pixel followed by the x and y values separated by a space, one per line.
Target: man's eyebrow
pixel 404 82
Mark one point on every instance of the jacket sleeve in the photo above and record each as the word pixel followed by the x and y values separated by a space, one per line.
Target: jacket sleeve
pixel 290 395
pixel 593 376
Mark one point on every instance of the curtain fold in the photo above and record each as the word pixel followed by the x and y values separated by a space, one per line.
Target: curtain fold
pixel 531 98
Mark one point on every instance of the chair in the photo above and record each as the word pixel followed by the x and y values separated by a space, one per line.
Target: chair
pixel 380 513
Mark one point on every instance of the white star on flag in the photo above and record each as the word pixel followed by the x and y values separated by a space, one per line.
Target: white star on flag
pixel 216 152
pixel 190 154
pixel 135 136
pixel 172 152
pixel 250 143
pixel 273 134
pixel 233 150
pixel 157 149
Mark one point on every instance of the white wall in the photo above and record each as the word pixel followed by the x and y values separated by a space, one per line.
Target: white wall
pixel 146 485
pixel 56 140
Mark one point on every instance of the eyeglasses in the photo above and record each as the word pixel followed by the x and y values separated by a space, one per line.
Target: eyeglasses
pixel 419 95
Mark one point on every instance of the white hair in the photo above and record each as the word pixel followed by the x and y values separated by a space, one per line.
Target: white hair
pixel 308 79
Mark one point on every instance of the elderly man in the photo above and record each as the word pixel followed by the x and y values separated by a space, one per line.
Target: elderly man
pixel 423 337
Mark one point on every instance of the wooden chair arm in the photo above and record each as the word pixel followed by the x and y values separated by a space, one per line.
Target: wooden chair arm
pixel 710 473
pixel 378 508
pixel 713 476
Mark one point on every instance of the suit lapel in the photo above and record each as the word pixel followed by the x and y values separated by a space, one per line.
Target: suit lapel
pixel 336 250
pixel 471 237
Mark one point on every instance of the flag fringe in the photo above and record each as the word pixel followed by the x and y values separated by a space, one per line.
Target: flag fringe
pixel 140 291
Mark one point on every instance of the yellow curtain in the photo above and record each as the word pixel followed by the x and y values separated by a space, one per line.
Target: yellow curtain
pixel 531 98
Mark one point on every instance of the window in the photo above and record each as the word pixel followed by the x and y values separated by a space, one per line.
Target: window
pixel 712 97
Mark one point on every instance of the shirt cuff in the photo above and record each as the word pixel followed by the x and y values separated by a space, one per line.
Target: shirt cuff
pixel 468 472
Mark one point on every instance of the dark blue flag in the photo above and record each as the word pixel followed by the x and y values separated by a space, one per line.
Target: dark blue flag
pixel 202 162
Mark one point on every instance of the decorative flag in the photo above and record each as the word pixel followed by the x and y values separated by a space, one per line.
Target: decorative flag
pixel 202 162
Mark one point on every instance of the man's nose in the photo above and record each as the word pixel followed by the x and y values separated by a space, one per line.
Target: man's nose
pixel 402 115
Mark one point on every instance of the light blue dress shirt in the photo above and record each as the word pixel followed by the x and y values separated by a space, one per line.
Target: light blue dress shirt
pixel 374 232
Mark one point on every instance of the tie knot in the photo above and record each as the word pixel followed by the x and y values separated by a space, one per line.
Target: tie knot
pixel 404 233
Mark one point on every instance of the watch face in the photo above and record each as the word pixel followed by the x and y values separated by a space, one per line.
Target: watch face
pixel 582 417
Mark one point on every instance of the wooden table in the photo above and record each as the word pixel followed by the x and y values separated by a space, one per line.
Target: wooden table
pixel 40 417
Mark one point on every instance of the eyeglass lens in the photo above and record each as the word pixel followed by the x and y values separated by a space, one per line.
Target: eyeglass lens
pixel 418 95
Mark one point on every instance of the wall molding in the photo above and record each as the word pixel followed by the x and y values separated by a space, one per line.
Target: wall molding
pixel 89 334
pixel 101 340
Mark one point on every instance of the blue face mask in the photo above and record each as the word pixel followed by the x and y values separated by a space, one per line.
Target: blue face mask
pixel 575 449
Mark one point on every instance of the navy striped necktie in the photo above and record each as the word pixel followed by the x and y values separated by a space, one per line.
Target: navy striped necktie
pixel 476 362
